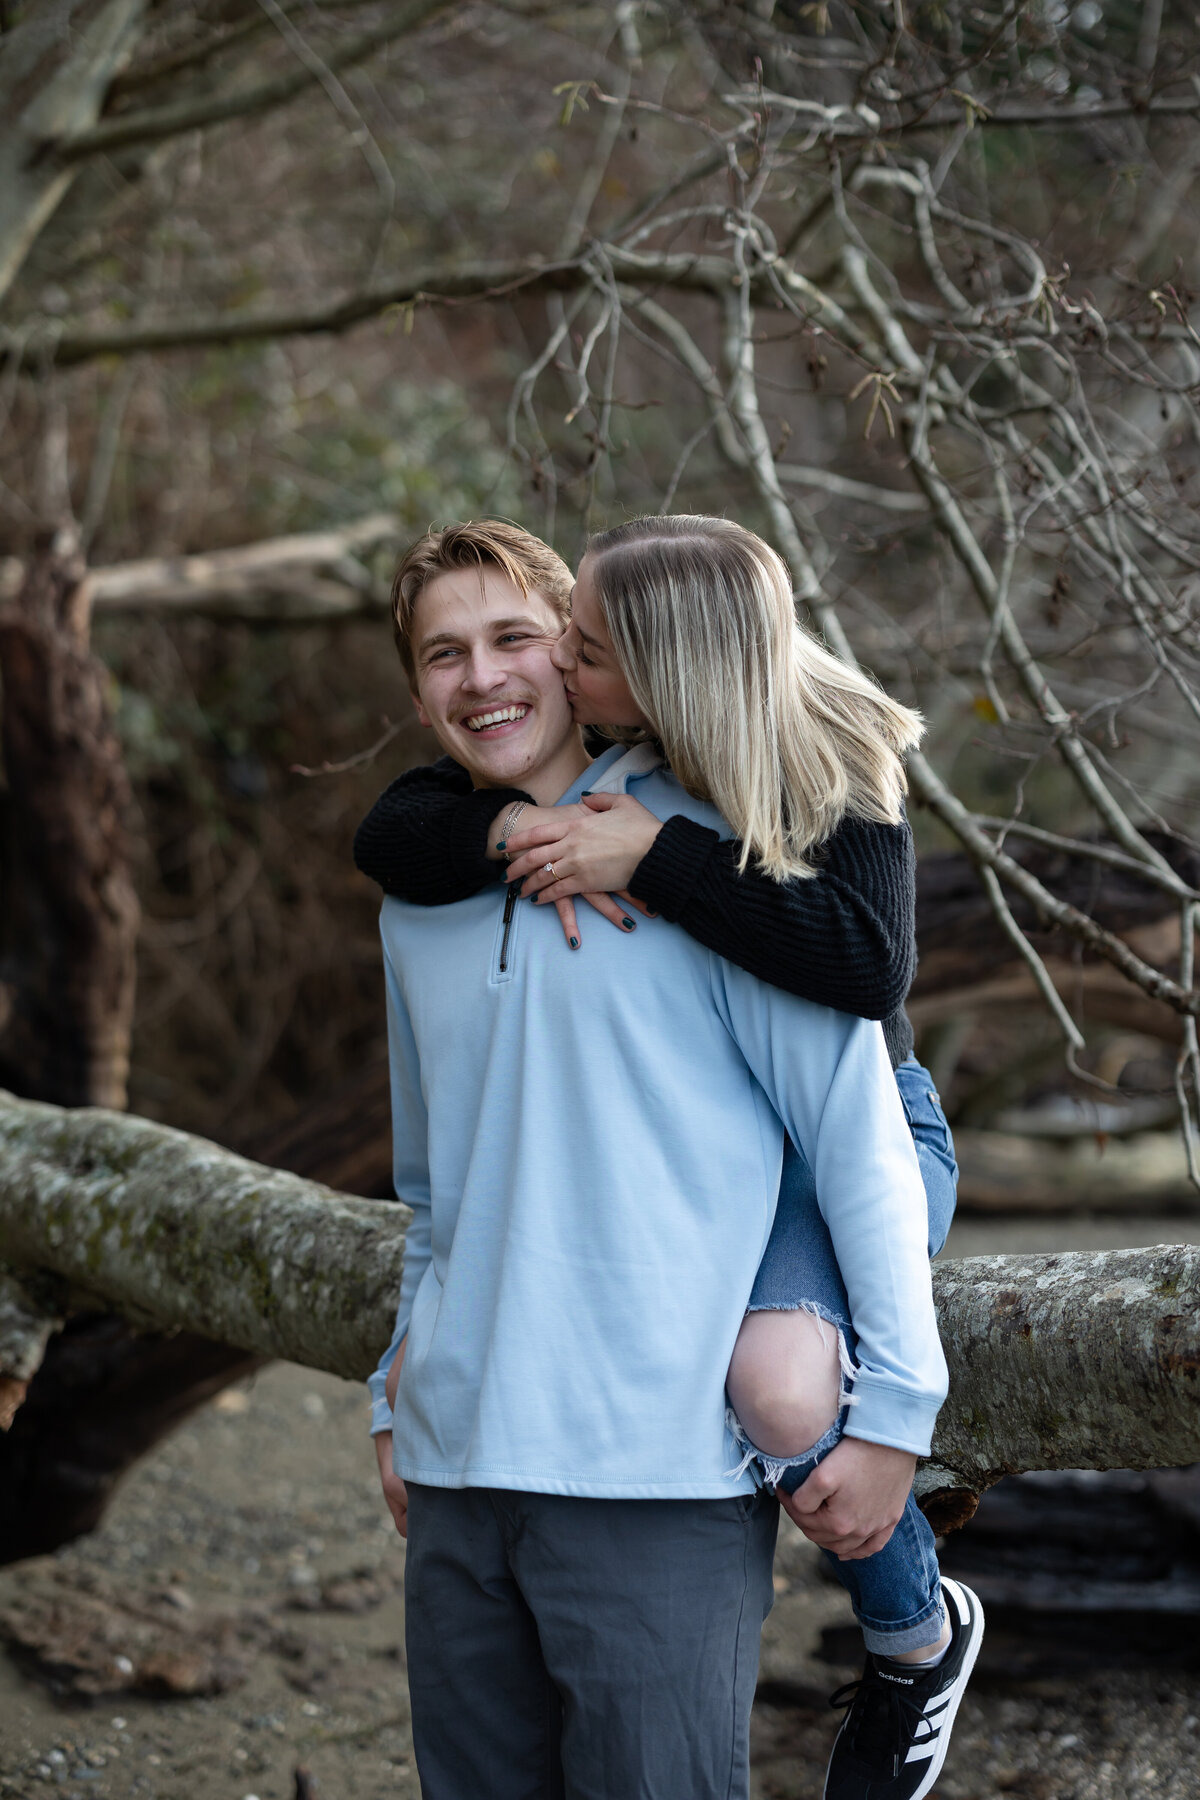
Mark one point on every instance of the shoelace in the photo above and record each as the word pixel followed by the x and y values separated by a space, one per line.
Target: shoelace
pixel 889 1723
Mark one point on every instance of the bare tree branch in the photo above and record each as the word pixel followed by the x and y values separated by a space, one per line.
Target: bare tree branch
pixel 151 126
pixel 898 500
pixel 68 92
pixel 312 575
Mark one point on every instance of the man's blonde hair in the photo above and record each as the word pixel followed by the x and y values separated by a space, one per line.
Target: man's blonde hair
pixel 479 544
pixel 752 712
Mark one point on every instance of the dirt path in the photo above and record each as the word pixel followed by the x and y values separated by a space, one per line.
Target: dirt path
pixel 251 1554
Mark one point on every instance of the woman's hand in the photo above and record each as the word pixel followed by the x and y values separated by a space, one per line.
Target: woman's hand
pixel 528 817
pixel 595 846
pixel 551 821
pixel 854 1499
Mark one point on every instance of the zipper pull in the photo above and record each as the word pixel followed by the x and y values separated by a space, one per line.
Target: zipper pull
pixel 510 905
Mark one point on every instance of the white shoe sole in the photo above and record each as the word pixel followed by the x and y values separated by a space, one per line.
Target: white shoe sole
pixel 952 1590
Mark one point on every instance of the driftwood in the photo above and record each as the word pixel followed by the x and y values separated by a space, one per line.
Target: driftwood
pixel 103 1397
pixel 1075 1360
pixel 106 1394
pixel 28 1320
pixel 1068 1361
pixel 174 1233
pixel 310 575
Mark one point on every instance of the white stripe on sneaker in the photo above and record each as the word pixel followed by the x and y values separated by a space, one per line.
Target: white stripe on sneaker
pixel 970 1620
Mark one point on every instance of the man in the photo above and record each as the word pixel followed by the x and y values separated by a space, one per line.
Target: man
pixel 592 1149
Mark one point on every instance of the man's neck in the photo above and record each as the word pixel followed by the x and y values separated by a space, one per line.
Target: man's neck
pixel 550 780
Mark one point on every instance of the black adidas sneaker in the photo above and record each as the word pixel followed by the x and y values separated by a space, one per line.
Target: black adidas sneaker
pixel 896 1732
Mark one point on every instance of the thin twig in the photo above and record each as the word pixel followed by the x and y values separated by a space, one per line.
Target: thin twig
pixel 362 760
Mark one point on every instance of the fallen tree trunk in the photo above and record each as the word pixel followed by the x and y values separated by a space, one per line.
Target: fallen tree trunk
pixel 1068 1361
pixel 1072 1360
pixel 105 1394
pixel 175 1233
pixel 28 1321
pixel 310 575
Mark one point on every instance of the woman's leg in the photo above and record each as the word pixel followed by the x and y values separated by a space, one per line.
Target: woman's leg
pixel 785 1381
pixel 793 1362
pixel 922 1637
pixel 934 1146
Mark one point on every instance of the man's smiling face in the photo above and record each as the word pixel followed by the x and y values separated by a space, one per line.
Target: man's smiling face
pixel 484 680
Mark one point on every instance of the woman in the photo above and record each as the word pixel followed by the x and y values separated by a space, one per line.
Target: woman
pixel 813 895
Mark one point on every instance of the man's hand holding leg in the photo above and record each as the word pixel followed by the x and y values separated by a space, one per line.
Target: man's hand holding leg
pixel 853 1500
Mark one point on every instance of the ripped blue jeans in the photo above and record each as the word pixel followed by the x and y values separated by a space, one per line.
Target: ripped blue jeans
pixel 897 1592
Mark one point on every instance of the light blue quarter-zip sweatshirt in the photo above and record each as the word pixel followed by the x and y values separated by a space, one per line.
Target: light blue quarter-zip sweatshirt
pixel 591 1143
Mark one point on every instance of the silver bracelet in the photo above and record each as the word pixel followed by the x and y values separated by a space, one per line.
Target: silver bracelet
pixel 510 819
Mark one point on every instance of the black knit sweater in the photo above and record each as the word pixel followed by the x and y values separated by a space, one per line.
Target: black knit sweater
pixel 843 939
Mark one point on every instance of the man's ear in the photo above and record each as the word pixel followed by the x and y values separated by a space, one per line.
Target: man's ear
pixel 422 715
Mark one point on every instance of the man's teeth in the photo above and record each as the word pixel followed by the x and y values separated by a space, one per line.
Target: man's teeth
pixel 479 720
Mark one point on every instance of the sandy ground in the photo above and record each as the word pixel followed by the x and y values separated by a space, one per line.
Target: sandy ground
pixel 256 1540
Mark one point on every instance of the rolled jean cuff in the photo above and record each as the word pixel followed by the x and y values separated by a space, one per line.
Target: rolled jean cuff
pixel 913 1634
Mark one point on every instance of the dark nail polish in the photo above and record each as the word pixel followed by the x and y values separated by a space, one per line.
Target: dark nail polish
pixel 502 844
pixel 585 794
pixel 574 943
pixel 629 924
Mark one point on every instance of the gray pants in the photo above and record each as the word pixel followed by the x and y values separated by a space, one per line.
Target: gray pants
pixel 575 1649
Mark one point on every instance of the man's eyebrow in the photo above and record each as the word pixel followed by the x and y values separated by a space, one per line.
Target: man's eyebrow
pixel 525 623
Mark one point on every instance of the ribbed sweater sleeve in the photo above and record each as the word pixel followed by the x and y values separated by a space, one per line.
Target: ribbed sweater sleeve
pixel 425 838
pixel 844 938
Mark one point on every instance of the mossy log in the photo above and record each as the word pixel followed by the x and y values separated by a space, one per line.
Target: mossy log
pixel 28 1320
pixel 1075 1360
pixel 1067 1360
pixel 177 1234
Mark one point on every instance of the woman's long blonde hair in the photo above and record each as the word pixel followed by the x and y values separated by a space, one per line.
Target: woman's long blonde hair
pixel 751 711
